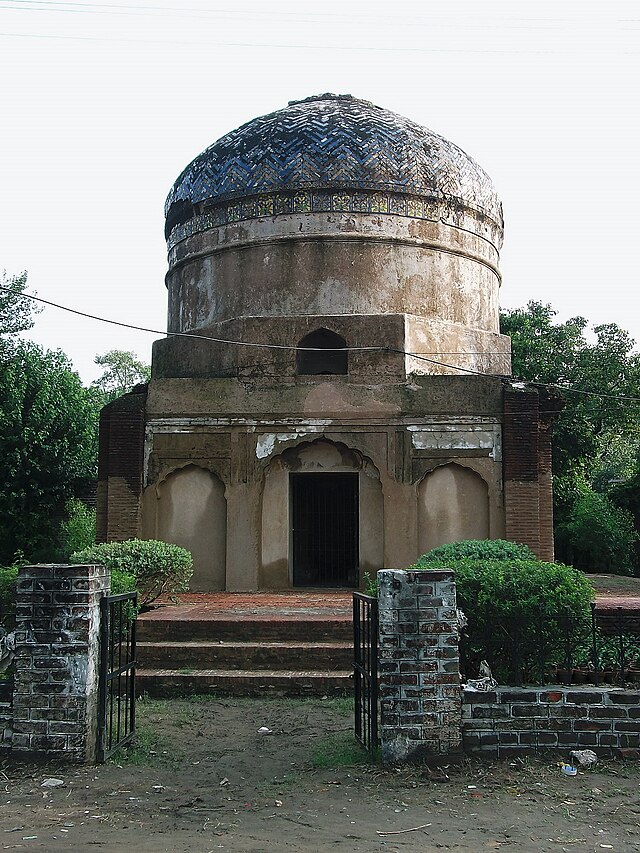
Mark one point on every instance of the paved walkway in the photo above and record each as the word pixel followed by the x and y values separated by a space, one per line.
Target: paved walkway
pixel 256 605
pixel 315 604
pixel 613 591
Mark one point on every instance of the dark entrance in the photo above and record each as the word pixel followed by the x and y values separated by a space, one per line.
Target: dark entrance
pixel 324 522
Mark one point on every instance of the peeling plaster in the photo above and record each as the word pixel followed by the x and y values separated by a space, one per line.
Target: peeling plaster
pixel 458 437
pixel 266 443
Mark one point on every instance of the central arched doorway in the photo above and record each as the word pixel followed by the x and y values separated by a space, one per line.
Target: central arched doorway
pixel 324 529
pixel 322 517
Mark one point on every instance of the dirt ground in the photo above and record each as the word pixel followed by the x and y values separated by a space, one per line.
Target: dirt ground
pixel 202 778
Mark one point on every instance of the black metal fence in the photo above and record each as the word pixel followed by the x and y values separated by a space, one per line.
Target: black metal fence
pixel 117 696
pixel 601 648
pixel 365 669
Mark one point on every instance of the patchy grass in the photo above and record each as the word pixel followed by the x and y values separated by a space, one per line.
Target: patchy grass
pixel 146 750
pixel 344 706
pixel 282 785
pixel 149 747
pixel 146 704
pixel 339 750
pixel 621 585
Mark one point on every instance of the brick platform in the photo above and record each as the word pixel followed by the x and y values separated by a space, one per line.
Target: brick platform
pixel 291 643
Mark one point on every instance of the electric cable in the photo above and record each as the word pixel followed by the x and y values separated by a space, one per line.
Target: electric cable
pixel 292 347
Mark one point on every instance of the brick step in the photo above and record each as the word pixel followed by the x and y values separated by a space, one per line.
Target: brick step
pixel 168 682
pixel 201 654
pixel 152 628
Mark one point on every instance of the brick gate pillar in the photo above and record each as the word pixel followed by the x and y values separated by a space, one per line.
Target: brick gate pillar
pixel 420 697
pixel 55 700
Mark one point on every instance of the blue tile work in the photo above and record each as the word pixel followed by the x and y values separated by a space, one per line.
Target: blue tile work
pixel 347 201
pixel 328 152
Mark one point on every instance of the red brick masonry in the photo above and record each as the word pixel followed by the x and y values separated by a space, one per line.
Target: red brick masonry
pixel 513 721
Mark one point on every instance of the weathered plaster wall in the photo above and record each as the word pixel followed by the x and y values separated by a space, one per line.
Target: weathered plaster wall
pixel 320 456
pixel 205 359
pixel 330 424
pixel 329 264
pixel 189 509
pixel 312 267
pixel 453 504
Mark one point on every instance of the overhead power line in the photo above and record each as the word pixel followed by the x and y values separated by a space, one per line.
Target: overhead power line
pixel 460 22
pixel 292 347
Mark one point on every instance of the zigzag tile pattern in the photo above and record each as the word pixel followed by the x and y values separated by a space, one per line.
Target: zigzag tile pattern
pixel 331 142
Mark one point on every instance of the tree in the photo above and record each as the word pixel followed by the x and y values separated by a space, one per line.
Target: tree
pixel 597 435
pixel 594 419
pixel 47 446
pixel 123 372
pixel 16 310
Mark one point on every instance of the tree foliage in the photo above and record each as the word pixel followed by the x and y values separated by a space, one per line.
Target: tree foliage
pixel 561 354
pixel 596 438
pixel 596 535
pixel 123 371
pixel 47 446
pixel 16 310
pixel 79 527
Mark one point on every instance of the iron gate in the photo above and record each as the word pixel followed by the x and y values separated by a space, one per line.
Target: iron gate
pixel 117 695
pixel 365 669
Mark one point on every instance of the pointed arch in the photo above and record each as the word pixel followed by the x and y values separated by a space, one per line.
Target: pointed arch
pixel 322 352
pixel 319 458
pixel 191 511
pixel 453 504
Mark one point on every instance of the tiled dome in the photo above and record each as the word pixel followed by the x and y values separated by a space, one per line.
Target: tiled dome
pixel 328 143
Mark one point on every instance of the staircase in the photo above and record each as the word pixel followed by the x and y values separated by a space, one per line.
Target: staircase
pixel 256 645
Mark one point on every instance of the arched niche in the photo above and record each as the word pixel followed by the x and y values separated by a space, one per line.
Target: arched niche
pixel 322 352
pixel 312 459
pixel 192 512
pixel 453 504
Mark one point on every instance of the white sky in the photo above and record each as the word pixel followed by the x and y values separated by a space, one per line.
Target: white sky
pixel 103 104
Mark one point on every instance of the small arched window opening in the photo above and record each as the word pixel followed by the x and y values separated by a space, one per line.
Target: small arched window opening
pixel 322 353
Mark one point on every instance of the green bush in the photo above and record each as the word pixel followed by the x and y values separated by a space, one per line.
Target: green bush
pixel 516 611
pixel 598 536
pixel 8 578
pixel 122 582
pixel 79 530
pixel 158 567
pixel 478 549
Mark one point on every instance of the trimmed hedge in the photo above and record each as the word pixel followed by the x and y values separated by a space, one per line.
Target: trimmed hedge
pixel 517 610
pixel 157 568
pixel 478 549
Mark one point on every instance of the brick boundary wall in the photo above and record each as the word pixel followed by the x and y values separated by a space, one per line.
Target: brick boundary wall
pixel 6 715
pixel 514 721
pixel 53 711
pixel 419 673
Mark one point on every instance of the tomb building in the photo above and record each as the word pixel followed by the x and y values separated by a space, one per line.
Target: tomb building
pixel 333 395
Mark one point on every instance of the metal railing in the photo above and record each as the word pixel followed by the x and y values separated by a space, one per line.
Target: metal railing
pixel 365 669
pixel 599 648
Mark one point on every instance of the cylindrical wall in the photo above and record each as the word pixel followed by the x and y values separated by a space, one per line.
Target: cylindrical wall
pixel 332 264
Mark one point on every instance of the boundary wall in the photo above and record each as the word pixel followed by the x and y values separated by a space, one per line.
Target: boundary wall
pixel 425 713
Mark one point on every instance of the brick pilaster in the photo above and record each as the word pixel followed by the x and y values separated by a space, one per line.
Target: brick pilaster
pixel 120 466
pixel 57 657
pixel 419 674
pixel 520 466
